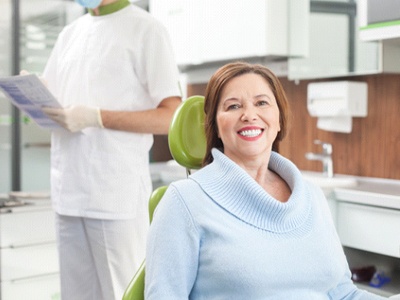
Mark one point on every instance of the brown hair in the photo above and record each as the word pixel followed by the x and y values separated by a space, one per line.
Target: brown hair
pixel 212 97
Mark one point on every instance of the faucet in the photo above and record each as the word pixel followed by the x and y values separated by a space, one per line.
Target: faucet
pixel 325 157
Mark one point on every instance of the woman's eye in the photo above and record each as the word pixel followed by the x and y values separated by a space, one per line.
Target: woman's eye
pixel 262 103
pixel 233 106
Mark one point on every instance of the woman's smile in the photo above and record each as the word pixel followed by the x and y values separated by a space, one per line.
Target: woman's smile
pixel 250 133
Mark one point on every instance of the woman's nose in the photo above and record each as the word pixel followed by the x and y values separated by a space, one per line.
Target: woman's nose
pixel 249 114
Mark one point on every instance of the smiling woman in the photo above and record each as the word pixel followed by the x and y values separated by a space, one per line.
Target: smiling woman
pixel 266 93
pixel 238 227
pixel 247 117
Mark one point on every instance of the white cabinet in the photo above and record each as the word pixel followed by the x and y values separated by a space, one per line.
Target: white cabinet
pixel 29 259
pixel 25 262
pixel 379 20
pixel 27 226
pixel 368 215
pixel 369 228
pixel 34 288
pixel 336 49
pixel 204 31
pixel 368 224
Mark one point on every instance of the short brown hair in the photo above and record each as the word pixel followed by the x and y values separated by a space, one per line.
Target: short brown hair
pixel 212 97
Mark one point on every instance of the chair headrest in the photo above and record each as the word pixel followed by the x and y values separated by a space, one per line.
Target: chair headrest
pixel 186 137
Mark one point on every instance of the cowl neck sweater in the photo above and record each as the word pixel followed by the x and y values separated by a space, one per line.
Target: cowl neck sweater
pixel 232 188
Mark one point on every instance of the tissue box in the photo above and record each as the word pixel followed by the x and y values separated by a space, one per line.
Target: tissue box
pixel 337 98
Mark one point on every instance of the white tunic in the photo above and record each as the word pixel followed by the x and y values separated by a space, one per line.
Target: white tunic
pixel 121 61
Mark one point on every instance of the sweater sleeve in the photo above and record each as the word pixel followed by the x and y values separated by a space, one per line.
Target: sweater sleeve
pixel 346 290
pixel 172 250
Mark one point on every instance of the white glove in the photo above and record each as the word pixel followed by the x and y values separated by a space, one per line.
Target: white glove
pixel 75 118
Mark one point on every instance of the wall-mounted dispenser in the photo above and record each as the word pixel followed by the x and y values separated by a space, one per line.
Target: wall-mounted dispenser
pixel 335 103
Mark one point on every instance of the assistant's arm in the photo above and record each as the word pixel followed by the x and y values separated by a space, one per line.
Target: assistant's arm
pixel 155 121
pixel 159 73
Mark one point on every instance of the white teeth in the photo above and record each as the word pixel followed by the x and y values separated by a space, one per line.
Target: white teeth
pixel 250 133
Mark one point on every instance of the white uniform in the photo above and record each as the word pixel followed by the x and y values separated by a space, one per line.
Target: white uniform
pixel 119 61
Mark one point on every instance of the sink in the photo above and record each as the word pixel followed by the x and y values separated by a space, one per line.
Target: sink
pixel 329 183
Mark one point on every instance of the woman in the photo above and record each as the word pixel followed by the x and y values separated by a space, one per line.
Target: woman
pixel 246 226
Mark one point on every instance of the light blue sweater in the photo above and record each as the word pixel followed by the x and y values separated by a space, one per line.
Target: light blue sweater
pixel 219 235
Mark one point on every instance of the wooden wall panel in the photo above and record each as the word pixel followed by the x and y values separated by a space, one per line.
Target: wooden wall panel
pixel 372 148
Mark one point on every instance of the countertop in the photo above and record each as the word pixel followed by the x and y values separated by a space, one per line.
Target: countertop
pixel 371 191
pixel 24 201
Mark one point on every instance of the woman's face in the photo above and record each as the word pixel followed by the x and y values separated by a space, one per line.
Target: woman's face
pixel 247 117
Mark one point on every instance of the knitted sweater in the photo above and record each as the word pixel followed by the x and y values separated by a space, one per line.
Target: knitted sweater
pixel 219 235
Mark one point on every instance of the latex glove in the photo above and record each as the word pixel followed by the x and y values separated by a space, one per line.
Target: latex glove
pixel 24 72
pixel 75 118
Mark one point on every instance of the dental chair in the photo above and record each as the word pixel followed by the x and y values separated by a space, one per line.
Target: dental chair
pixel 187 144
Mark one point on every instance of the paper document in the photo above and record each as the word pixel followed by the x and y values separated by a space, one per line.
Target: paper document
pixel 29 94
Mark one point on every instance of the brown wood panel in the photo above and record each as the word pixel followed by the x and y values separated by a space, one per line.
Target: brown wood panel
pixel 372 148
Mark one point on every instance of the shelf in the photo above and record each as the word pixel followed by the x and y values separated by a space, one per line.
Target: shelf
pixel 389 289
pixel 381 31
pixel 387 264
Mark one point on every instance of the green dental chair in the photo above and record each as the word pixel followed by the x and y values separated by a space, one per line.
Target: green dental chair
pixel 187 143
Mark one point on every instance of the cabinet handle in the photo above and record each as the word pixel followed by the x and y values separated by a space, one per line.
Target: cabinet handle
pixel 37 145
pixel 33 278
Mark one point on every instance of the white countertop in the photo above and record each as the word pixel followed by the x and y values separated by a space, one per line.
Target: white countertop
pixel 371 191
pixel 25 201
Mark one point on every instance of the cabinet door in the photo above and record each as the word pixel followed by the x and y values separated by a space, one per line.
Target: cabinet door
pixel 369 228
pixel 27 228
pixel 25 262
pixel 336 49
pixel 183 23
pixel 43 288
pixel 332 203
pixel 379 20
pixel 237 30
pixel 206 31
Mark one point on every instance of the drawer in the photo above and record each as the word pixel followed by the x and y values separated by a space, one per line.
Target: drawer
pixel 27 228
pixel 38 288
pixel 369 228
pixel 24 262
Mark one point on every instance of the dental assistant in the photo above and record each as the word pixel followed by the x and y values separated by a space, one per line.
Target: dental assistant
pixel 114 72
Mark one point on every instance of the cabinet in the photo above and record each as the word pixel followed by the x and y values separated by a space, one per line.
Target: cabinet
pixel 368 223
pixel 372 229
pixel 207 31
pixel 379 20
pixel 336 49
pixel 29 259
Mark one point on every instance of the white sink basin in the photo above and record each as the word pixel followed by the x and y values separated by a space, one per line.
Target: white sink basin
pixel 324 182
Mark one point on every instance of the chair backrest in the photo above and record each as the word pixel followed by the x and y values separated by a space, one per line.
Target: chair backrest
pixel 155 197
pixel 187 143
pixel 186 137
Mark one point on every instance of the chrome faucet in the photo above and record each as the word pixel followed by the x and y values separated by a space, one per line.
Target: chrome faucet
pixel 325 157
